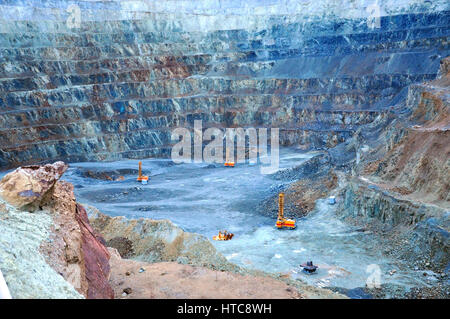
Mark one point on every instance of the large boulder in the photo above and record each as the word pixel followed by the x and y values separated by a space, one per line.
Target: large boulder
pixel 26 186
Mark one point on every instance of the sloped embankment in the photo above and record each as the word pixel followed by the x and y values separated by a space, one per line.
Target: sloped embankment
pixel 174 280
pixel 157 241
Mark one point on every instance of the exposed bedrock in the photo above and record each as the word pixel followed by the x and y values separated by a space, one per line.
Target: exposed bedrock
pixel 400 187
pixel 416 231
pixel 117 85
pixel 47 247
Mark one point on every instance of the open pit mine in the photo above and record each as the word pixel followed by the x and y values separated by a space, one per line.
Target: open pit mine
pixel 256 149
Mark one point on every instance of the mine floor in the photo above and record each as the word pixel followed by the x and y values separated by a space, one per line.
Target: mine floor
pixel 205 198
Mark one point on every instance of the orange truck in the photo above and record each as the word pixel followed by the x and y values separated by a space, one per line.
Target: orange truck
pixel 283 222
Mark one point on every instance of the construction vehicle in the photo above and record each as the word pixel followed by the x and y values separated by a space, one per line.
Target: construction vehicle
pixel 223 236
pixel 283 222
pixel 141 178
pixel 228 162
pixel 309 267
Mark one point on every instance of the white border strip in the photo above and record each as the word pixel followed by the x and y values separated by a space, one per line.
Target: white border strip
pixel 4 291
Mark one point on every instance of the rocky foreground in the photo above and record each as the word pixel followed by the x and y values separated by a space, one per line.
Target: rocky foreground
pixel 50 249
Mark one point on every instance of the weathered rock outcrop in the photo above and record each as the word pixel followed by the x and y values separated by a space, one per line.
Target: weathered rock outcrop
pixel 96 258
pixel 55 231
pixel 26 271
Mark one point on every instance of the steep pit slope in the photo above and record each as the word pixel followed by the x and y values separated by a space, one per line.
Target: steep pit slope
pixel 401 188
pixel 47 247
pixel 418 165
pixel 115 85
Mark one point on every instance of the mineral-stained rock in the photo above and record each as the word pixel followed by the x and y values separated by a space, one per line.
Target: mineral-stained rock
pixel 64 251
pixel 96 259
pixel 28 184
pixel 65 240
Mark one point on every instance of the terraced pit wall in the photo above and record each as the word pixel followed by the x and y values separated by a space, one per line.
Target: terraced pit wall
pixel 117 84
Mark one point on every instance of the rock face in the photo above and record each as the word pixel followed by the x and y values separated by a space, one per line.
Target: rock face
pixel 418 161
pixel 115 85
pixel 69 252
pixel 96 258
pixel 404 188
pixel 157 241
pixel 417 232
pixel 29 184
pixel 26 271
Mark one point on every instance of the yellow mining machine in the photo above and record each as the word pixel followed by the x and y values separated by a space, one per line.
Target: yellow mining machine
pixel 223 236
pixel 281 221
pixel 228 162
pixel 141 178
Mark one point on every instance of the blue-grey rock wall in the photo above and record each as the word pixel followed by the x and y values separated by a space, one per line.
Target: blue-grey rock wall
pixel 115 85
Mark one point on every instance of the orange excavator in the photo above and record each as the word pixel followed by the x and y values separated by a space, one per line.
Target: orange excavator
pixel 281 221
pixel 223 236
pixel 141 178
